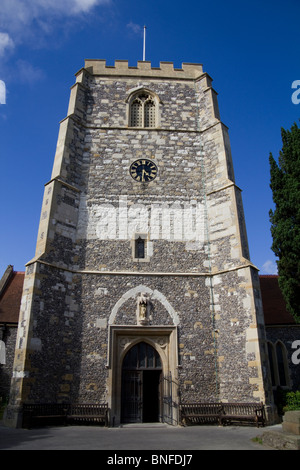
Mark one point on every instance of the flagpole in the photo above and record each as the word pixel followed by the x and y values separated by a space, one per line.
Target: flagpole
pixel 144 47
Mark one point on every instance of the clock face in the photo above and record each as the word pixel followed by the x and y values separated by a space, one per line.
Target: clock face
pixel 143 170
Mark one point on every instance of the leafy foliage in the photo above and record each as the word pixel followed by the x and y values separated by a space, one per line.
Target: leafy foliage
pixel 292 401
pixel 285 219
pixel 286 400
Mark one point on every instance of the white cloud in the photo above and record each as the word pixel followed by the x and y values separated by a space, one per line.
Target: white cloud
pixel 86 5
pixel 269 267
pixel 17 15
pixel 135 28
pixel 25 10
pixel 27 73
pixel 6 43
pixel 33 22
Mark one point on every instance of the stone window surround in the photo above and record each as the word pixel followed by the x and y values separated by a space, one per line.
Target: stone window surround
pixel 148 247
pixel 133 95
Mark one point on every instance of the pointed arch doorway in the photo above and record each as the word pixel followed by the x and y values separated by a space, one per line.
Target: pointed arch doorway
pixel 141 385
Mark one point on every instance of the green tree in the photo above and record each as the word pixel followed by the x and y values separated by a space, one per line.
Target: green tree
pixel 285 218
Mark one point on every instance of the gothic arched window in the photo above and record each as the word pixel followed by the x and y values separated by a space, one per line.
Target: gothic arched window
pixel 278 364
pixel 272 364
pixel 142 111
pixel 281 364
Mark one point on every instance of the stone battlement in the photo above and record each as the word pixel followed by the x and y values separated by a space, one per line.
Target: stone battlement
pixel 144 69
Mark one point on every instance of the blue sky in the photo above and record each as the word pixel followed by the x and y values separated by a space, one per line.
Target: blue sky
pixel 251 50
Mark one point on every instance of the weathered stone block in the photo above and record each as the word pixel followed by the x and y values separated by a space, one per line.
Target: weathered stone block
pixel 291 422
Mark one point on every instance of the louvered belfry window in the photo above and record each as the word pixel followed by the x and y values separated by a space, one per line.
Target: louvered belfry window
pixel 149 113
pixel 142 111
pixel 136 114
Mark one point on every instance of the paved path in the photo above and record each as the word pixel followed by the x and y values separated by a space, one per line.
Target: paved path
pixel 133 437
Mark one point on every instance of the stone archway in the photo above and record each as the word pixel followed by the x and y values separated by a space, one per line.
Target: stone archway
pixel 123 339
pixel 153 294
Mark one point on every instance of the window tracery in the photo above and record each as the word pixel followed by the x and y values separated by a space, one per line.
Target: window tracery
pixel 143 110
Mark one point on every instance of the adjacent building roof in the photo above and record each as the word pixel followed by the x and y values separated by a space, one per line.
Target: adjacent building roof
pixel 11 286
pixel 274 306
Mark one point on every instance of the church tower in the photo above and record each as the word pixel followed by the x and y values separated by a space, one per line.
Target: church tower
pixel 141 293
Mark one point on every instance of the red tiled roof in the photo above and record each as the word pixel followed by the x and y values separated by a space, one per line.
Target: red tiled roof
pixel 10 299
pixel 274 306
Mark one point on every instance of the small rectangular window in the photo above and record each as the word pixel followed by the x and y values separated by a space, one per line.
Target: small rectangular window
pixel 139 248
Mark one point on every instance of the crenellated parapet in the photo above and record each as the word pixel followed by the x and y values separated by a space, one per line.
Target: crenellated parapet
pixel 144 69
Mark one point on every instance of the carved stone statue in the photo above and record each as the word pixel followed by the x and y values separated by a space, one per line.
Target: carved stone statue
pixel 143 309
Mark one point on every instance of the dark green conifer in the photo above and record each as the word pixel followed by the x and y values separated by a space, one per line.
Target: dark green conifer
pixel 285 218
